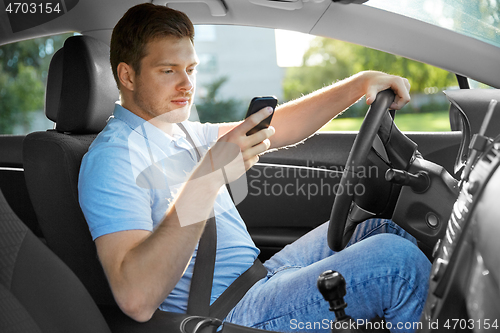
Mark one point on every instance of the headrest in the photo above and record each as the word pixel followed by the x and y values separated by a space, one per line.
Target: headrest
pixel 81 91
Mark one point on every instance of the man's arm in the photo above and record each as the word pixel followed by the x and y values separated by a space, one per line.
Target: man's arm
pixel 143 267
pixel 297 120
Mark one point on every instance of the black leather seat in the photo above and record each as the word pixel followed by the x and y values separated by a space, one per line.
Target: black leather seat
pixel 80 97
pixel 38 292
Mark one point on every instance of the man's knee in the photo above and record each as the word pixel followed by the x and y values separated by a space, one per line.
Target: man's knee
pixel 397 248
pixel 403 254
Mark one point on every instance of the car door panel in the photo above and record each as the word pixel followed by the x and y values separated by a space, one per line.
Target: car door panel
pixel 291 191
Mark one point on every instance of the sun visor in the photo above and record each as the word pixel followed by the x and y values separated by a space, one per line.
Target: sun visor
pixel 26 15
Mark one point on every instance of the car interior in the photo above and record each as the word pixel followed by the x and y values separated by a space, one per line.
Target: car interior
pixel 52 281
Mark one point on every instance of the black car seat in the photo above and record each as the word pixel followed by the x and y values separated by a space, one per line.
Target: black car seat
pixel 80 97
pixel 38 292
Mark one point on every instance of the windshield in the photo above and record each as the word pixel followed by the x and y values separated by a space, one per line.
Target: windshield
pixel 479 19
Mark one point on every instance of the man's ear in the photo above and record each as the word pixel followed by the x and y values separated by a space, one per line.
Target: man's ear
pixel 126 75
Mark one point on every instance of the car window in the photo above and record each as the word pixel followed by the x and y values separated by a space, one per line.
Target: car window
pixel 238 63
pixel 23 76
pixel 478 19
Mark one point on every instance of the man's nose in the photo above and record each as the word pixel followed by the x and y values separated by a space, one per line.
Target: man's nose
pixel 186 83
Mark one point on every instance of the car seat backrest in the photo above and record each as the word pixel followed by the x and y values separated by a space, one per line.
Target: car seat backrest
pixel 38 293
pixel 81 90
pixel 80 97
pixel 13 183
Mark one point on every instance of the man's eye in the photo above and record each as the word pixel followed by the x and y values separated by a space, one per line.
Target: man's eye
pixel 168 71
pixel 192 71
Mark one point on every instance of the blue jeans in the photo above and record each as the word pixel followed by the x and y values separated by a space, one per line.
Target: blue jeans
pixel 385 272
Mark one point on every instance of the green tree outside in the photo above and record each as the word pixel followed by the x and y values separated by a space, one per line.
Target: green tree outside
pixel 23 76
pixel 328 60
pixel 215 110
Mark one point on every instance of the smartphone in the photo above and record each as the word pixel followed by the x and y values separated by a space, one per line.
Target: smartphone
pixel 258 103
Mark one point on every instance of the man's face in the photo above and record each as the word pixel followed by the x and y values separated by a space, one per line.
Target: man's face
pixel 165 87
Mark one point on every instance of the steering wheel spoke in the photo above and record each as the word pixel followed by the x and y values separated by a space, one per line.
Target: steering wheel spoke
pixel 358 214
pixel 390 148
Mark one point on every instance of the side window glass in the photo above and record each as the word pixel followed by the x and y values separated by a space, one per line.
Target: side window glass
pixel 238 63
pixel 23 76
pixel 327 60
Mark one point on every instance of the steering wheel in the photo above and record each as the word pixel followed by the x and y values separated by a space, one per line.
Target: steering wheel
pixel 379 196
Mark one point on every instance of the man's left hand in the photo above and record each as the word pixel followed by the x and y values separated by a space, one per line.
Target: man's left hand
pixel 374 82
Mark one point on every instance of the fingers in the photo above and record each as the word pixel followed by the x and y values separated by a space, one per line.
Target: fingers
pixel 256 150
pixel 371 94
pixel 407 84
pixel 400 86
pixel 251 162
pixel 237 152
pixel 259 136
pixel 239 133
pixel 402 89
pixel 255 119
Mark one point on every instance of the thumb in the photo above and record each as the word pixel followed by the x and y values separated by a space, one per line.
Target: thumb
pixel 371 94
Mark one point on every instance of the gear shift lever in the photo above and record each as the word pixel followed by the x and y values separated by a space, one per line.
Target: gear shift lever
pixel 331 284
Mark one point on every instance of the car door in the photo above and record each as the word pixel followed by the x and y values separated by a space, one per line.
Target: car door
pixel 291 191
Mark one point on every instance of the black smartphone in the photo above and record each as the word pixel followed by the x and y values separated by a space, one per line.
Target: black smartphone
pixel 258 103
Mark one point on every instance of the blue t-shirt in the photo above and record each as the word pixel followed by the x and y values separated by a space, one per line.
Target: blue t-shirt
pixel 129 178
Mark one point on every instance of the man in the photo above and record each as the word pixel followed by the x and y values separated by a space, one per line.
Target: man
pixel 146 228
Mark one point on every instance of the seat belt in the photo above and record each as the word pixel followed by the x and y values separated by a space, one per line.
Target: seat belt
pixel 200 291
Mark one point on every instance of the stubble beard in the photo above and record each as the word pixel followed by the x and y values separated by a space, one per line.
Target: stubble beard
pixel 164 113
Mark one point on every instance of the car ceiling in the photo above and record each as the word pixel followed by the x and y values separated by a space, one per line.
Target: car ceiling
pixel 354 23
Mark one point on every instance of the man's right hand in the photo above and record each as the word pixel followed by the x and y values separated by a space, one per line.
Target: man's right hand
pixel 235 151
